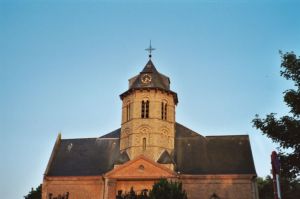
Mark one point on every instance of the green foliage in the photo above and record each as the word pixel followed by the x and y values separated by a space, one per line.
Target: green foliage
pixel 265 188
pixel 35 193
pixel 166 190
pixel 290 189
pixel 286 130
pixel 163 189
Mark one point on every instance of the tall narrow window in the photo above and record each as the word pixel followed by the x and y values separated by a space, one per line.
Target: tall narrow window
pixel 128 112
pixel 144 144
pixel 164 110
pixel 145 109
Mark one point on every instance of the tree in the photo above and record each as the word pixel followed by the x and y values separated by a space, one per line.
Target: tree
pixel 286 129
pixel 35 193
pixel 265 188
pixel 164 189
pixel 290 190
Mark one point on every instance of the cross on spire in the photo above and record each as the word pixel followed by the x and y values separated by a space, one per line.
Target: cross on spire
pixel 150 49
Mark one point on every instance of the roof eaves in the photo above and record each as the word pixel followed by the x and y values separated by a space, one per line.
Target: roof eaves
pixel 157 88
pixel 53 153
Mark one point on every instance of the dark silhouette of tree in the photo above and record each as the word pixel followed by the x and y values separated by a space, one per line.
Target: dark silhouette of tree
pixel 164 189
pixel 286 130
pixel 290 190
pixel 35 193
pixel 265 188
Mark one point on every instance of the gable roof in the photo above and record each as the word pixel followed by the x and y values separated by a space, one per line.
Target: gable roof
pixel 84 157
pixel 210 154
pixel 113 134
pixel 140 166
pixel 214 155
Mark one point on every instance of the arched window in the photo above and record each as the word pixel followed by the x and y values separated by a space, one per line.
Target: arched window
pixel 145 109
pixel 144 144
pixel 164 110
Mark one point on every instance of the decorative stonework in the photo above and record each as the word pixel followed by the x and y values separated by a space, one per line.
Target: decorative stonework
pixel 157 131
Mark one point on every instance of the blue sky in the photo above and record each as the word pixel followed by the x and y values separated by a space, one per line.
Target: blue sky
pixel 63 65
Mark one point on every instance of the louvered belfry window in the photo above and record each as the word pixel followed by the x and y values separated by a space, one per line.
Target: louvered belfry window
pixel 164 110
pixel 145 109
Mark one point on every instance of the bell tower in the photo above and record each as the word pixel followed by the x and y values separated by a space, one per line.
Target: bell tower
pixel 148 114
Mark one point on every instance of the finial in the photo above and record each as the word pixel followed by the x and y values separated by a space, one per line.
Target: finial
pixel 150 49
pixel 59 135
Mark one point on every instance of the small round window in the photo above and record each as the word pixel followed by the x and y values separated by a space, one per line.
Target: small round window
pixel 141 168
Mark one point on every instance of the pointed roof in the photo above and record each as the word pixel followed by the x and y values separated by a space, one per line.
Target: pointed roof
pixel 158 81
pixel 149 68
pixel 165 158
pixel 123 157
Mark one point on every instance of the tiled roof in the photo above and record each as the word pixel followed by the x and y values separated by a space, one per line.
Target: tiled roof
pixel 84 157
pixel 213 154
pixel 210 155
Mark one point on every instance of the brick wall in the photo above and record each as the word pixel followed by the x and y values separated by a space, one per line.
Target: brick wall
pixel 225 187
pixel 78 187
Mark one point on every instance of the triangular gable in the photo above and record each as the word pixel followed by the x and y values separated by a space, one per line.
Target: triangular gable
pixel 140 168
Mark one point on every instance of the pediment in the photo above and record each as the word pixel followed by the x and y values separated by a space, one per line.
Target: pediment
pixel 140 168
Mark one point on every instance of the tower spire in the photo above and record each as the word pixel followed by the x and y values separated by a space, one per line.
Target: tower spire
pixel 150 49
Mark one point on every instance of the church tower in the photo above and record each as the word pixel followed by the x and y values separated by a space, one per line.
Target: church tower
pixel 148 115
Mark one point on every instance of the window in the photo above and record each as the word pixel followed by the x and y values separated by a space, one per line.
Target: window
pixel 145 109
pixel 144 144
pixel 141 168
pixel 128 107
pixel 164 110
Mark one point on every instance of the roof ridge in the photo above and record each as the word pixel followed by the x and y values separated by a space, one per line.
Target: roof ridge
pixel 91 138
pixel 194 133
pixel 241 135
pixel 87 138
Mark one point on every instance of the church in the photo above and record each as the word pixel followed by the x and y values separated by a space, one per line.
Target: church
pixel 148 146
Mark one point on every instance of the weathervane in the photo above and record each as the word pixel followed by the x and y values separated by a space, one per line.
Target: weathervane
pixel 150 49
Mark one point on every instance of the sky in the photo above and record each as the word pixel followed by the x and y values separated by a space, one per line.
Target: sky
pixel 63 65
